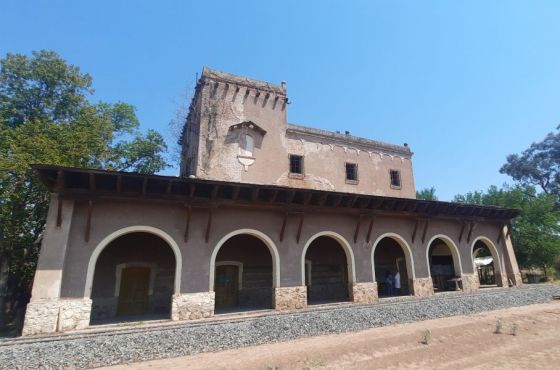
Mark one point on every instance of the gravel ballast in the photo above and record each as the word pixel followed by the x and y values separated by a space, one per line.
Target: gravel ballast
pixel 122 346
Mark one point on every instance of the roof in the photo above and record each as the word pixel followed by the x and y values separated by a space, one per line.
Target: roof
pixel 347 138
pixel 89 183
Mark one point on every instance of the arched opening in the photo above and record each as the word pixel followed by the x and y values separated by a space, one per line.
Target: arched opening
pixel 486 264
pixel 444 264
pixel 392 266
pixel 133 279
pixel 243 275
pixel 326 271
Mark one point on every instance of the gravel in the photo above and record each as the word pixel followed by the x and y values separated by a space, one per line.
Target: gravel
pixel 124 346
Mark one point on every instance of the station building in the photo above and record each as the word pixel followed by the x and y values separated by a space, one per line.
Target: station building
pixel 264 215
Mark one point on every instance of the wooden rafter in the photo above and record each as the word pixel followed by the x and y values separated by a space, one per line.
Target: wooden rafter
pixel 119 184
pixel 88 220
pixel 273 196
pixel 302 216
pixel 59 213
pixel 144 185
pixel 283 228
pixel 357 231
pixel 290 196
pixel 235 193
pixel 500 233
pixel 472 225
pixel 192 189
pixel 208 225
pixel 214 193
pixel 463 224
pixel 187 223
pixel 425 230
pixel 255 194
pixel 415 230
pixel 370 228
pixel 91 181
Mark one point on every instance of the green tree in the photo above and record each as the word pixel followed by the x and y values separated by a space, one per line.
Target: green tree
pixel 539 165
pixel 46 116
pixel 427 194
pixel 536 232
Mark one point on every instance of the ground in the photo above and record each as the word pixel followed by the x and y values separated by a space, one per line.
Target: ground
pixel 459 342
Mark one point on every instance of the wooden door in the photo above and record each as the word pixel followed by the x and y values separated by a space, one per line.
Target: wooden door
pixel 134 291
pixel 226 285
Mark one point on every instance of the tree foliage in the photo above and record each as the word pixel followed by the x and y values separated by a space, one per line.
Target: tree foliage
pixel 536 232
pixel 427 194
pixel 46 116
pixel 539 165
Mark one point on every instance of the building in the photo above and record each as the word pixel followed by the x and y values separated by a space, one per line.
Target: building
pixel 265 215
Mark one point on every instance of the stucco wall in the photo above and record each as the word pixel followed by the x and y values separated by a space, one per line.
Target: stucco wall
pixel 109 217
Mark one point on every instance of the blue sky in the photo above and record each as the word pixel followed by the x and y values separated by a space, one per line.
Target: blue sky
pixel 463 83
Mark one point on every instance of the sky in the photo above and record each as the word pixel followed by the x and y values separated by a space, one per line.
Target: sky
pixel 463 83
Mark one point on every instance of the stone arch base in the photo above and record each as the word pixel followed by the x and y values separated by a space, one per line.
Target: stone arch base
pixel 290 298
pixel 364 292
pixel 422 287
pixel 56 315
pixel 192 306
pixel 470 283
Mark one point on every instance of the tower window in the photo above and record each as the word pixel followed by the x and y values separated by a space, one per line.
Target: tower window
pixel 296 164
pixel 351 172
pixel 395 178
pixel 247 145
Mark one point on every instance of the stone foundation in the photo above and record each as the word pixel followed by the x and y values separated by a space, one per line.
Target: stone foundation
pixel 52 315
pixel 290 298
pixel 192 306
pixel 422 287
pixel 41 317
pixel 514 278
pixel 470 283
pixel 364 292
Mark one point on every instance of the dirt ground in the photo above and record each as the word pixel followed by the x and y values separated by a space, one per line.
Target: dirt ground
pixel 460 342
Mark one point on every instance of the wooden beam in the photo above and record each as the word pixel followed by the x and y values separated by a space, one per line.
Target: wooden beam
pixel 500 233
pixel 307 198
pixel 463 224
pixel 59 213
pixel 119 184
pixel 255 194
pixel 91 181
pixel 187 223
pixel 425 230
pixel 357 231
pixel 144 186
pixel 414 230
pixel 284 221
pixel 472 224
pixel 322 200
pixel 508 233
pixel 59 181
pixel 169 186
pixel 192 189
pixel 290 196
pixel 364 203
pixel 88 220
pixel 214 193
pixel 235 193
pixel 337 201
pixel 370 228
pixel 300 227
pixel 273 196
pixel 208 225
pixel 352 201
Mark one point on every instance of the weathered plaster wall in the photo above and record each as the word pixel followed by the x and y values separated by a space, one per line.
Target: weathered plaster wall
pixel 196 252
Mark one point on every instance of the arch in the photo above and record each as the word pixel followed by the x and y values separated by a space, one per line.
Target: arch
pixel 345 246
pixel 128 230
pixel 493 250
pixel 452 248
pixel 259 235
pixel 404 246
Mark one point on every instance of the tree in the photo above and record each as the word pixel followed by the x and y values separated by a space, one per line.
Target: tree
pixel 46 116
pixel 539 165
pixel 536 231
pixel 426 194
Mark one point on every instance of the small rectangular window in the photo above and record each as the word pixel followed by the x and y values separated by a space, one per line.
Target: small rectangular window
pixel 395 178
pixel 351 172
pixel 296 164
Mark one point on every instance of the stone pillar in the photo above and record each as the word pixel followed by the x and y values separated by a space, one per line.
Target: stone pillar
pixel 74 314
pixel 470 283
pixel 42 312
pixel 290 298
pixel 422 287
pixel 510 261
pixel 364 292
pixel 192 306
